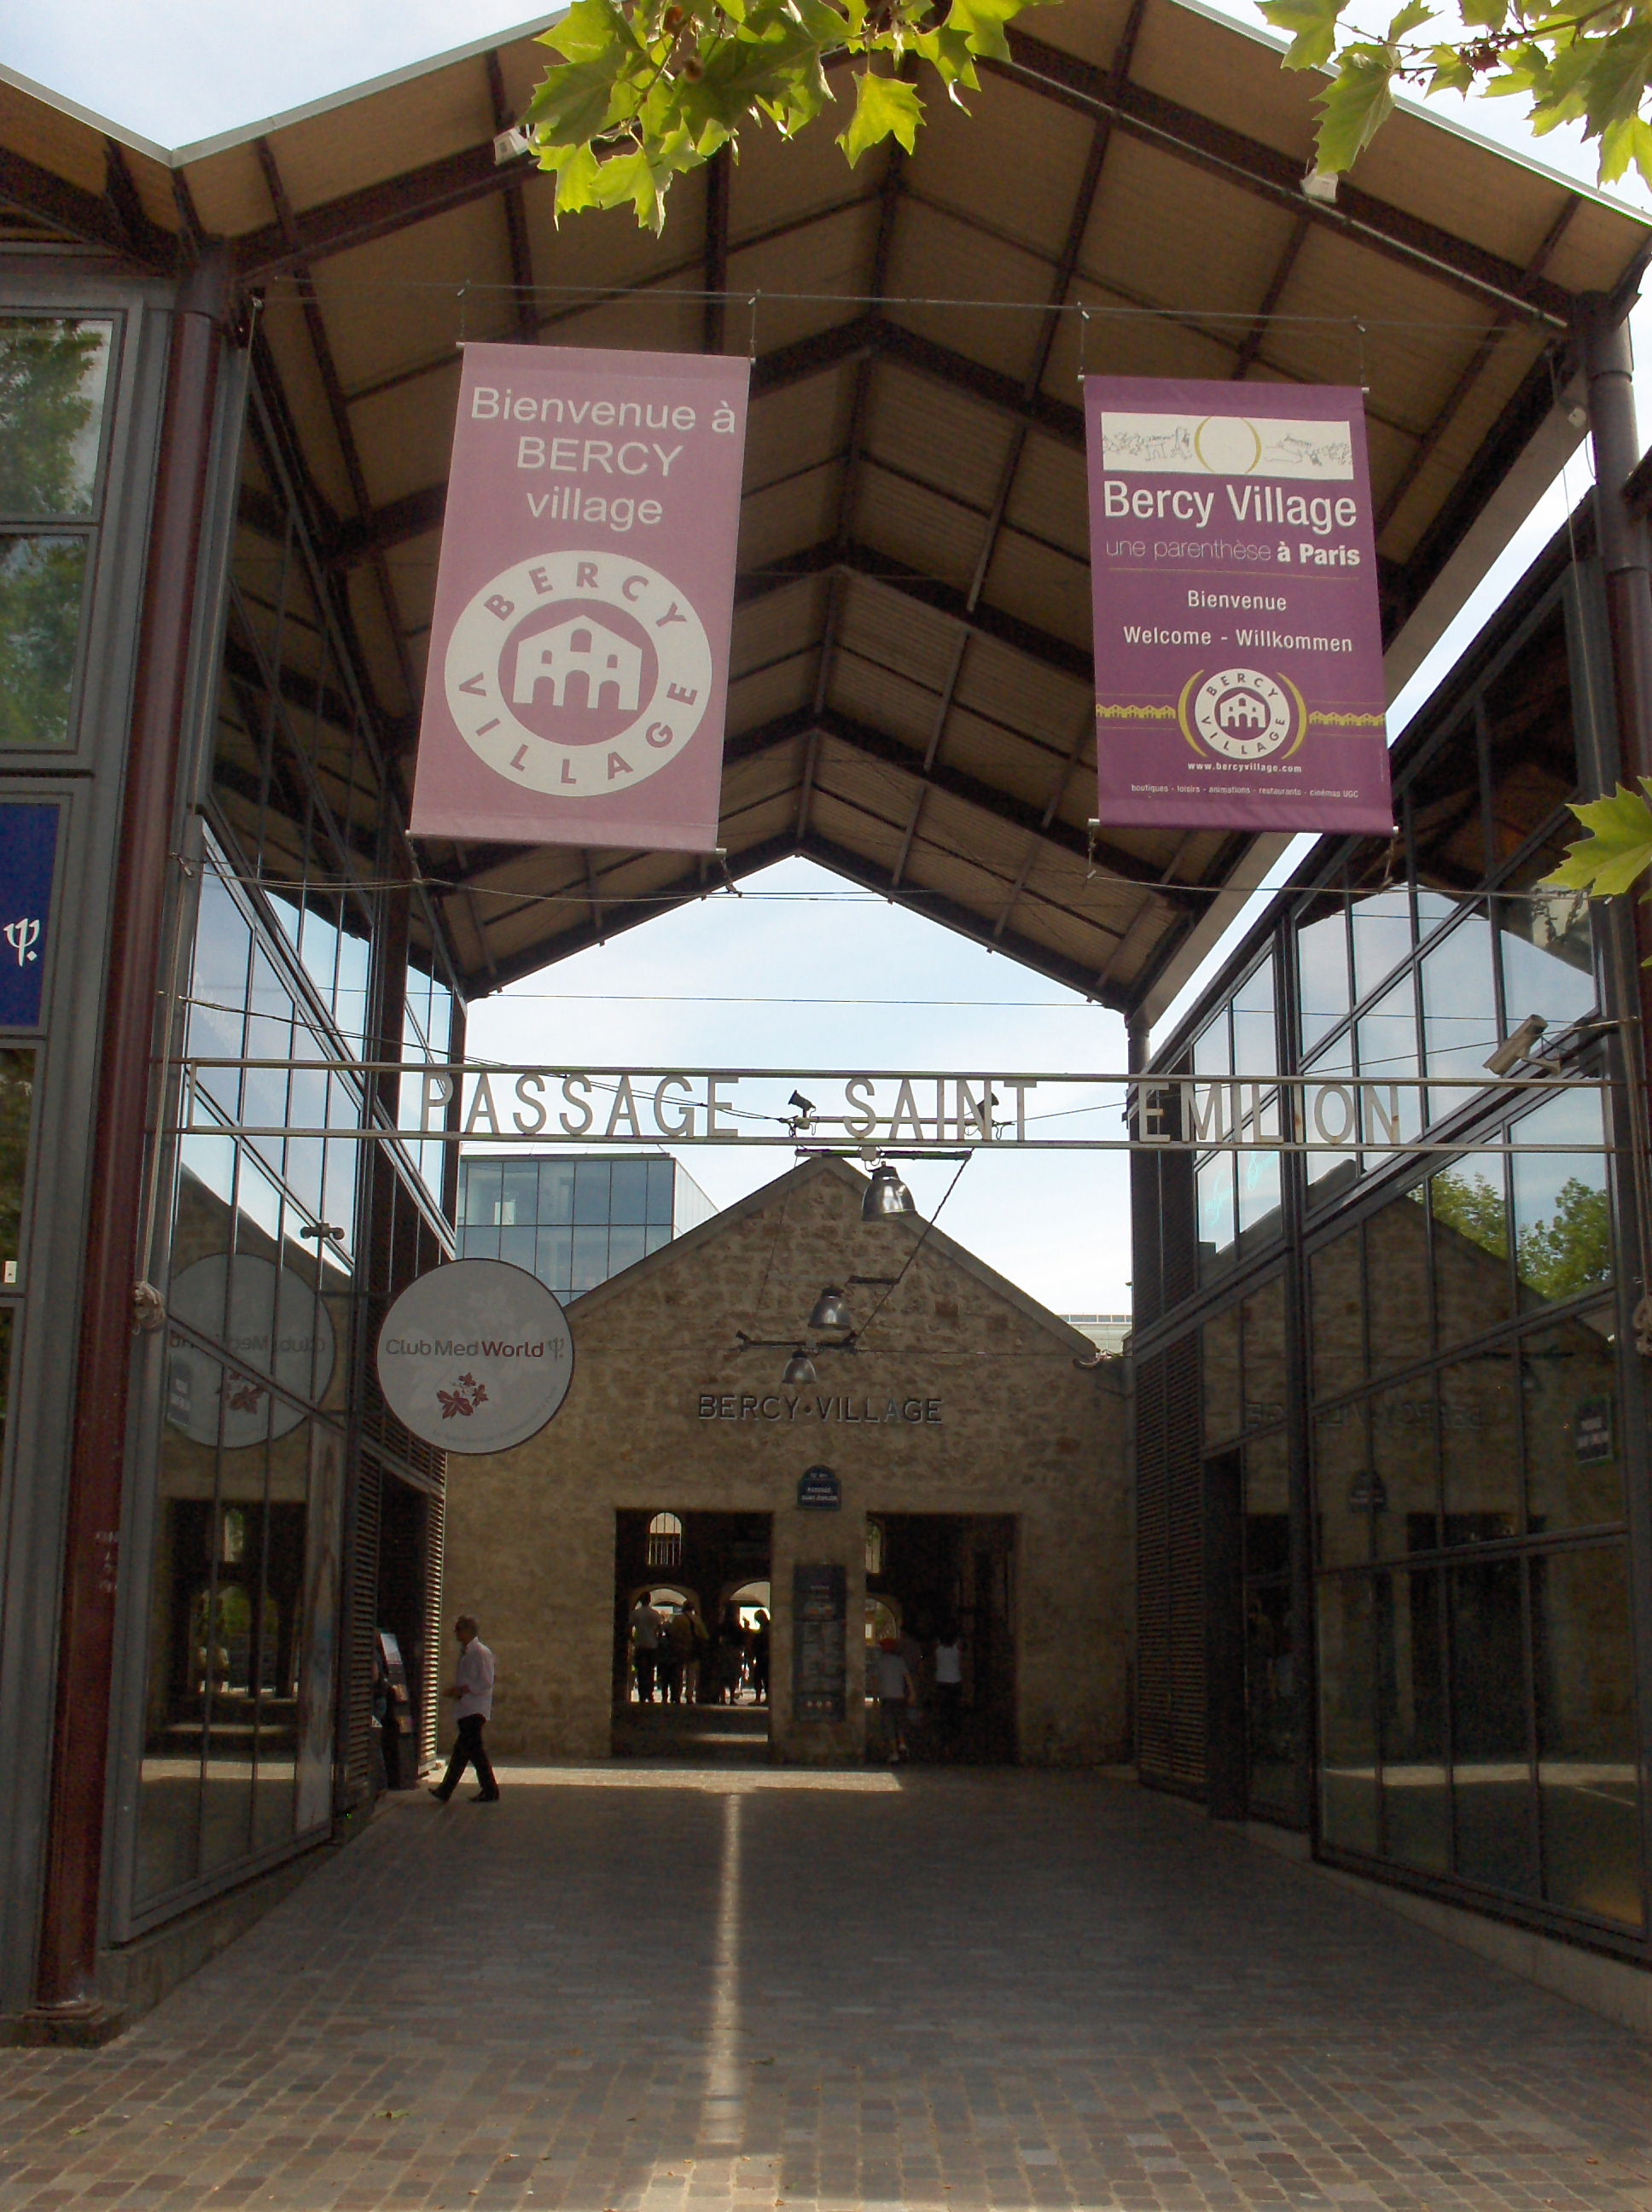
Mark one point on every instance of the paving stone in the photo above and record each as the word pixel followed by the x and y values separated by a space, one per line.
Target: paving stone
pixel 978 1990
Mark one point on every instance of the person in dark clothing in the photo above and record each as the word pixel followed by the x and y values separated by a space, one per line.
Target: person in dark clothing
pixel 759 1643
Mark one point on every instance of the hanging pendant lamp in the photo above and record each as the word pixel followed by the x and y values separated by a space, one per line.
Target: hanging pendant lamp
pixel 886 1195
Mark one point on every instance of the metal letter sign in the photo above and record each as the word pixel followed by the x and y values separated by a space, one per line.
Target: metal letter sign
pixel 578 674
pixel 28 853
pixel 476 1356
pixel 1233 566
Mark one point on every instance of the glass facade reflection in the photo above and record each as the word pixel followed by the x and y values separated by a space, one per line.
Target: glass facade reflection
pixel 282 1486
pixel 573 1222
pixel 1424 1359
pixel 54 376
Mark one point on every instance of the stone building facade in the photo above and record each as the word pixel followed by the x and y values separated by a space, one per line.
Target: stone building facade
pixel 968 1419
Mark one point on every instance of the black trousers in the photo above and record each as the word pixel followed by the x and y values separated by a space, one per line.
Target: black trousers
pixel 469 1750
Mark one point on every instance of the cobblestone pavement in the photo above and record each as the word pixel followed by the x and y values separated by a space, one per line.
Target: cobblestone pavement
pixel 692 1992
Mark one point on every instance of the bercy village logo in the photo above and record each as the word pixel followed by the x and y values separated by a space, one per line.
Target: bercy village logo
pixel 578 673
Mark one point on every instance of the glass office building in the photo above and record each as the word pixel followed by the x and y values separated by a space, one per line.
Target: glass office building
pixel 573 1222
pixel 1396 1585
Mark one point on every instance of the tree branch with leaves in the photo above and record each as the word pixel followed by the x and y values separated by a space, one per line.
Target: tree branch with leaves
pixel 648 89
pixel 1571 64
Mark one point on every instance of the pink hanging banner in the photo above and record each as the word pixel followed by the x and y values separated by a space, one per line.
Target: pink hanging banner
pixel 1233 570
pixel 578 675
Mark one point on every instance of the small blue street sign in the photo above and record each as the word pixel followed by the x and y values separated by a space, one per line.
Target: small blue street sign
pixel 28 857
pixel 820 1490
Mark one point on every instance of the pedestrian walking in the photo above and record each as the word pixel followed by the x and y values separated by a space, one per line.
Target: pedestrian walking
pixel 895 1687
pixel 949 1689
pixel 472 1686
pixel 646 1628
pixel 761 1640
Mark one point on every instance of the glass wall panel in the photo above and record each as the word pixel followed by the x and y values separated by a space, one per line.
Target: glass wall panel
pixel 1342 1485
pixel 1563 1216
pixel 518 1194
pixel 1412 1699
pixel 590 1192
pixel 554 1259
pixel 1479 1447
pixel 1460 1011
pixel 589 1258
pixel 54 380
pixel 1268 1506
pixel 519 1245
pixel 1398 1288
pixel 1323 974
pixel 1380 927
pixel 1548 956
pixel 169 1784
pixel 626 1245
pixel 1387 1052
pixel 662 1178
pixel 628 1192
pixel 1574 1430
pixel 1255 1046
pixel 1333 1114
pixel 1348 1785
pixel 1213 1048
pixel 1273 1728
pixel 1265 1355
pixel 483 1186
pixel 42 586
pixel 1216 1232
pixel 1587 1772
pixel 556 1192
pixel 1337 1291
pixel 1261 1220
pixel 1531 756
pixel 16 1124
pixel 1405 1485
pixel 1219 1366
pixel 1491 1772
pixel 1469 1203
pixel 1447 833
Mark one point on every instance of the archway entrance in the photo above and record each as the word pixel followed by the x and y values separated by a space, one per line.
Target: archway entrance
pixel 935 1580
pixel 691 1650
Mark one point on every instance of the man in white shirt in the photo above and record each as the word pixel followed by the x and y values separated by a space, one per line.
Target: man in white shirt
pixel 473 1687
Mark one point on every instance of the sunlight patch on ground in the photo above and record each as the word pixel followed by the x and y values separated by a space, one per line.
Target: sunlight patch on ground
pixel 720 1781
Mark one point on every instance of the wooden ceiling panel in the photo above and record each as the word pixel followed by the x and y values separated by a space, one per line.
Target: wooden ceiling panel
pixel 942 627
pixel 788 516
pixel 933 536
pixel 945 167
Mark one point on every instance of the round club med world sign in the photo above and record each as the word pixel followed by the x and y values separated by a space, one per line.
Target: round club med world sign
pixel 476 1356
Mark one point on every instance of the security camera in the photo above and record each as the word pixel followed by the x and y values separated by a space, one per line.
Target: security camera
pixel 1520 1045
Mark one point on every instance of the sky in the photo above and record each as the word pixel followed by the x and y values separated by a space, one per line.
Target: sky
pixel 802 971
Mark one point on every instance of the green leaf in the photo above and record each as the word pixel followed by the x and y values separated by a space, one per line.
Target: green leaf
pixel 1625 142
pixel 1313 27
pixel 575 103
pixel 1414 12
pixel 1614 84
pixel 884 108
pixel 1618 850
pixel 981 23
pixel 590 28
pixel 1451 72
pixel 1354 106
pixel 1484 15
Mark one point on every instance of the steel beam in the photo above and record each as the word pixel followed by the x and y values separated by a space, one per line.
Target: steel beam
pixel 1424 247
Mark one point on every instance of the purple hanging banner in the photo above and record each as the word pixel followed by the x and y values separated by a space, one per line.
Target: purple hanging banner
pixel 578 669
pixel 1233 569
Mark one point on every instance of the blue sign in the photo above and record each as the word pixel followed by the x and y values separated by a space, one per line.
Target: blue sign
pixel 29 858
pixel 819 1490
